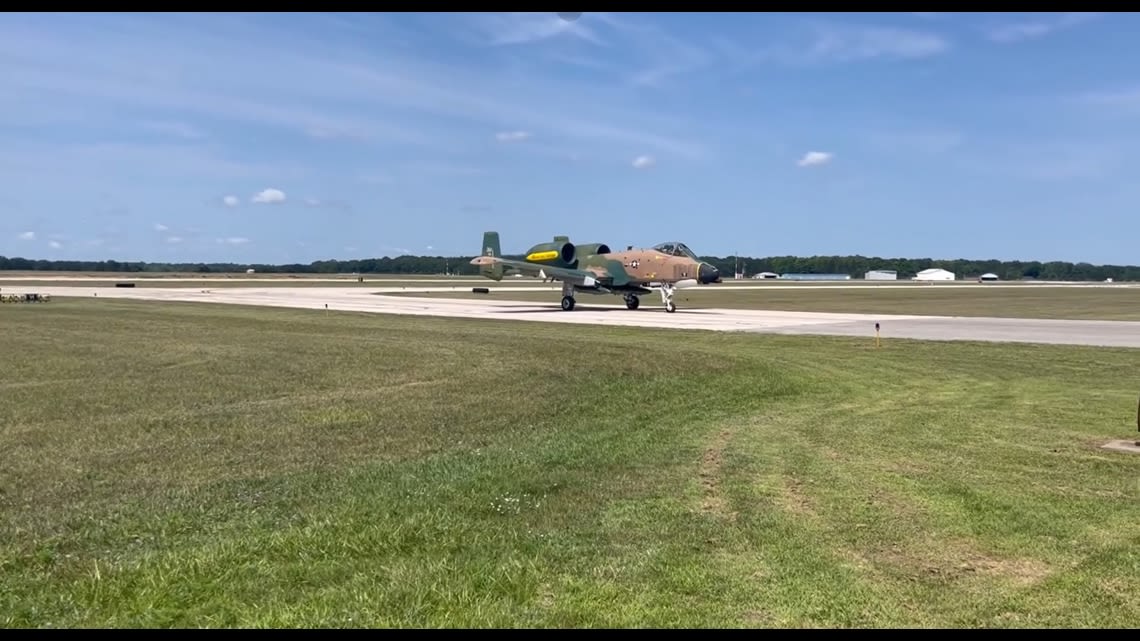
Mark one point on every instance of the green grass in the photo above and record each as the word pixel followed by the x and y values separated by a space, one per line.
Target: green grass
pixel 182 465
pixel 1092 303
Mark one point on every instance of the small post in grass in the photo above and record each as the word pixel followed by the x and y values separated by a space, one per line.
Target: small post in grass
pixel 877 342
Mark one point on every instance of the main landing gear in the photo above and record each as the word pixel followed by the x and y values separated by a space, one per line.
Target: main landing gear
pixel 567 297
pixel 632 301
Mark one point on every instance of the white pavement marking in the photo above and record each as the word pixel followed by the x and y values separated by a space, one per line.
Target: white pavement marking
pixel 370 299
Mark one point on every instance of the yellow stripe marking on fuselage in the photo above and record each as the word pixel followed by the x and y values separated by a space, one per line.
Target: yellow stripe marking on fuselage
pixel 541 256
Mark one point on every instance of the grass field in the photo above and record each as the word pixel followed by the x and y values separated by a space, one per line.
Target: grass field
pixel 1099 303
pixel 181 465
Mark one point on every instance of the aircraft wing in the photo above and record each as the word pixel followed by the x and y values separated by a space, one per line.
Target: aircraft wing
pixel 580 277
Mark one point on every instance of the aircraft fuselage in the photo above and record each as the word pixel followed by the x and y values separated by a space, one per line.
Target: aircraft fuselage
pixel 668 262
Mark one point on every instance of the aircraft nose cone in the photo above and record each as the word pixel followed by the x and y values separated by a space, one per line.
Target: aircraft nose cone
pixel 706 274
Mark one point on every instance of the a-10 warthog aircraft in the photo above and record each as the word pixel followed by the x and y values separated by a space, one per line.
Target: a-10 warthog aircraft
pixel 595 269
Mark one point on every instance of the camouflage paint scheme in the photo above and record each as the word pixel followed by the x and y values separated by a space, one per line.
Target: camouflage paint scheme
pixel 595 269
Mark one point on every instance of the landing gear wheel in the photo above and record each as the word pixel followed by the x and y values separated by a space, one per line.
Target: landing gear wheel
pixel 567 303
pixel 632 302
pixel 670 307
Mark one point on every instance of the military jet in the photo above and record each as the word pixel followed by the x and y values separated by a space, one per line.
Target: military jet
pixel 594 269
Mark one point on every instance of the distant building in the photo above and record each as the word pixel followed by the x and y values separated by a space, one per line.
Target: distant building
pixel 881 274
pixel 934 273
pixel 816 277
pixel 987 277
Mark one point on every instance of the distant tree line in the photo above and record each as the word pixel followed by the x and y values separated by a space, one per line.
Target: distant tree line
pixel 855 266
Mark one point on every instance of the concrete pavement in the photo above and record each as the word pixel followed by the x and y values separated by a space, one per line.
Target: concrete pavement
pixel 599 311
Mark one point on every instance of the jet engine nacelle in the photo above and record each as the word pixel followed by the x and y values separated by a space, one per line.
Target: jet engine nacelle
pixel 563 253
pixel 560 253
pixel 593 249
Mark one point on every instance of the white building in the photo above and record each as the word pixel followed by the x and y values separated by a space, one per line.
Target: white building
pixel 934 273
pixel 881 274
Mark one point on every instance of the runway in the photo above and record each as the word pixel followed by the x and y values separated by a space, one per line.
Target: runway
pixel 589 312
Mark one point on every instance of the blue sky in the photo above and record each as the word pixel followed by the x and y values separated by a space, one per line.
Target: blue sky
pixel 297 137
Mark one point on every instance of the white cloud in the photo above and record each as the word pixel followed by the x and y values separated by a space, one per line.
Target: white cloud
pixel 230 201
pixel 814 158
pixel 54 244
pixel 174 240
pixel 844 44
pixel 28 235
pixel 644 162
pixel 522 28
pixel 831 43
pixel 1019 31
pixel 160 227
pixel 635 51
pixel 382 95
pixel 328 204
pixel 659 53
pixel 512 136
pixel 233 240
pixel 269 196
pixel 1049 23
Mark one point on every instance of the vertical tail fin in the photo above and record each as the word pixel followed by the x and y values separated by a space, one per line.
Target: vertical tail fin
pixel 491 248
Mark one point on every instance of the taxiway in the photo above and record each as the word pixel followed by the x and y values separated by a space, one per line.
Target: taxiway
pixel 597 311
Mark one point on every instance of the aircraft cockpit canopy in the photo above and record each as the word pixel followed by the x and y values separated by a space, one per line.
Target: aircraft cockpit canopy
pixel 676 249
